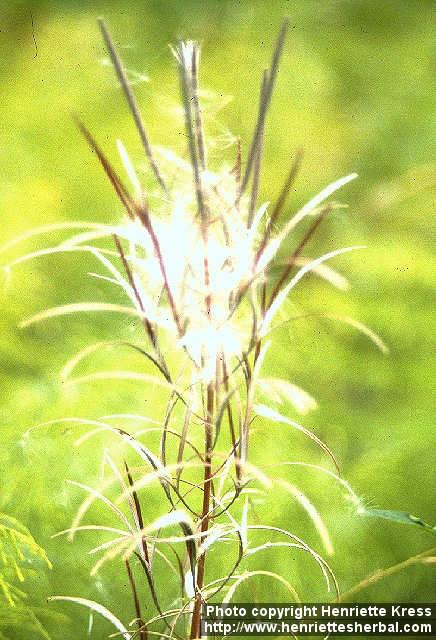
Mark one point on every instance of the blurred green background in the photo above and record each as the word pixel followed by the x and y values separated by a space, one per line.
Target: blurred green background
pixel 355 91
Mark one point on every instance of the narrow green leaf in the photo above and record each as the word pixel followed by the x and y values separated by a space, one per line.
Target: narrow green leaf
pixel 397 516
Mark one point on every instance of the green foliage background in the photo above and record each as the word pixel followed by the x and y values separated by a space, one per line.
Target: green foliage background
pixel 354 90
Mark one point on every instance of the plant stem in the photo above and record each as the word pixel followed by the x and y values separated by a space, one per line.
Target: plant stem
pixel 142 631
pixel 208 442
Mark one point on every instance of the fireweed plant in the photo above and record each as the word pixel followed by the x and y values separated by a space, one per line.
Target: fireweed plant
pixel 200 269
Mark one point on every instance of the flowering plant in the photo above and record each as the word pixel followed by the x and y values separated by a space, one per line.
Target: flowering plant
pixel 202 269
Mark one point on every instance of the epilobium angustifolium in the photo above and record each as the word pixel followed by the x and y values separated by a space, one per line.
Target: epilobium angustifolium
pixel 200 269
